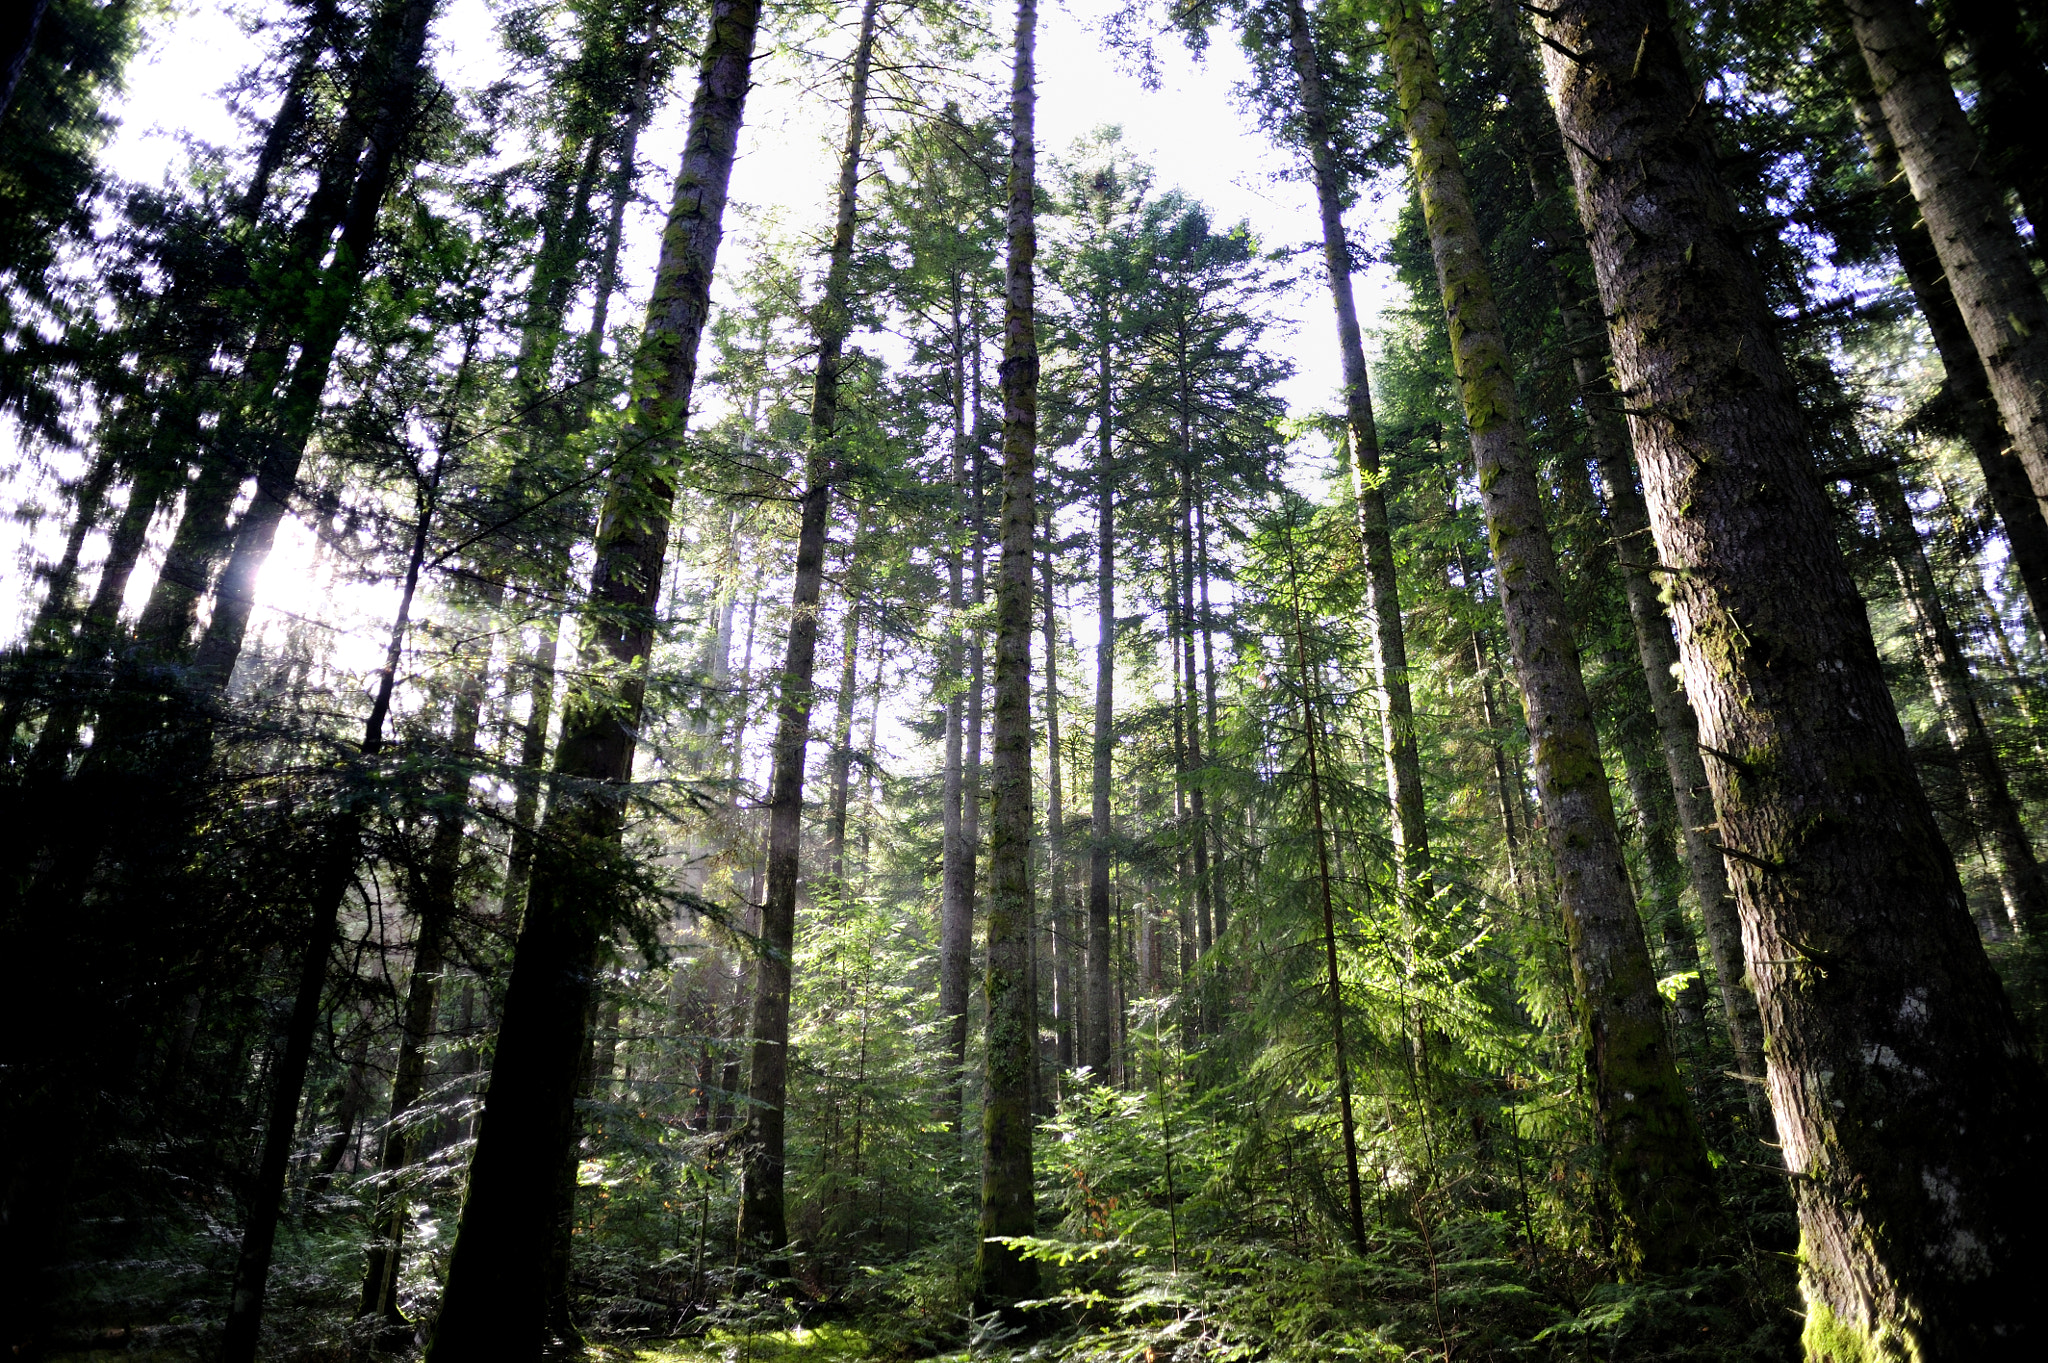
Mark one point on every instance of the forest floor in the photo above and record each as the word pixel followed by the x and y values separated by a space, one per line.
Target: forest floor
pixel 826 1344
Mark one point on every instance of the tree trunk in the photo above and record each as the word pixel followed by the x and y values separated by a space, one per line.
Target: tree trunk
pixel 2012 89
pixel 1992 807
pixel 1099 1037
pixel 1965 214
pixel 1655 1156
pixel 436 909
pixel 494 1305
pixel 286 423
pixel 763 1226
pixel 241 1334
pixel 1334 977
pixel 1629 521
pixel 1390 646
pixel 1219 905
pixel 1002 1275
pixel 1903 1095
pixel 956 867
pixel 1056 826
pixel 841 772
pixel 1966 391
pixel 1197 805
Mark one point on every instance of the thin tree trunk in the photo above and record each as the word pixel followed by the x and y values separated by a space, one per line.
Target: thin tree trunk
pixel 1056 825
pixel 763 1227
pixel 1992 806
pixel 841 772
pixel 956 867
pixel 1219 905
pixel 241 1334
pixel 1965 214
pixel 402 1144
pixel 1902 1091
pixel 1390 646
pixel 1656 1157
pixel 494 1306
pixel 1099 1039
pixel 1002 1274
pixel 1197 774
pixel 1334 981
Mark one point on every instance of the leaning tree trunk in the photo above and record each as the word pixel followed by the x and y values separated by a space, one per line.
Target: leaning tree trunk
pixel 1655 1155
pixel 2012 89
pixel 494 1305
pixel 1099 1012
pixel 763 1227
pixel 1965 213
pixel 1002 1275
pixel 1909 1111
pixel 1629 520
pixel 1992 807
pixel 1965 389
pixel 1390 644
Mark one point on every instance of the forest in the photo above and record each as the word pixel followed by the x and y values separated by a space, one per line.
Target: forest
pixel 876 783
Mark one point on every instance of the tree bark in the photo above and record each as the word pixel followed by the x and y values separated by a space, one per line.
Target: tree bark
pixel 1390 646
pixel 763 1226
pixel 494 1305
pixel 1003 1276
pixel 1909 1112
pixel 1965 214
pixel 1656 1158
pixel 1635 555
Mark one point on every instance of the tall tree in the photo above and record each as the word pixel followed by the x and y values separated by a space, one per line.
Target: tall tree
pixel 1003 1275
pixel 1887 1033
pixel 763 1224
pixel 494 1305
pixel 1656 1158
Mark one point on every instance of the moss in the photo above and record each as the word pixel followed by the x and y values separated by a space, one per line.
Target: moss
pixel 1829 1338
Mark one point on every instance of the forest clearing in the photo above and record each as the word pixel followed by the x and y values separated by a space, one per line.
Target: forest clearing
pixel 694 680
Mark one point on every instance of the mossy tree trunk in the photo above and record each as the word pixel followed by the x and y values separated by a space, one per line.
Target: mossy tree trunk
pixel 1656 1158
pixel 1628 519
pixel 1002 1275
pixel 1909 1112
